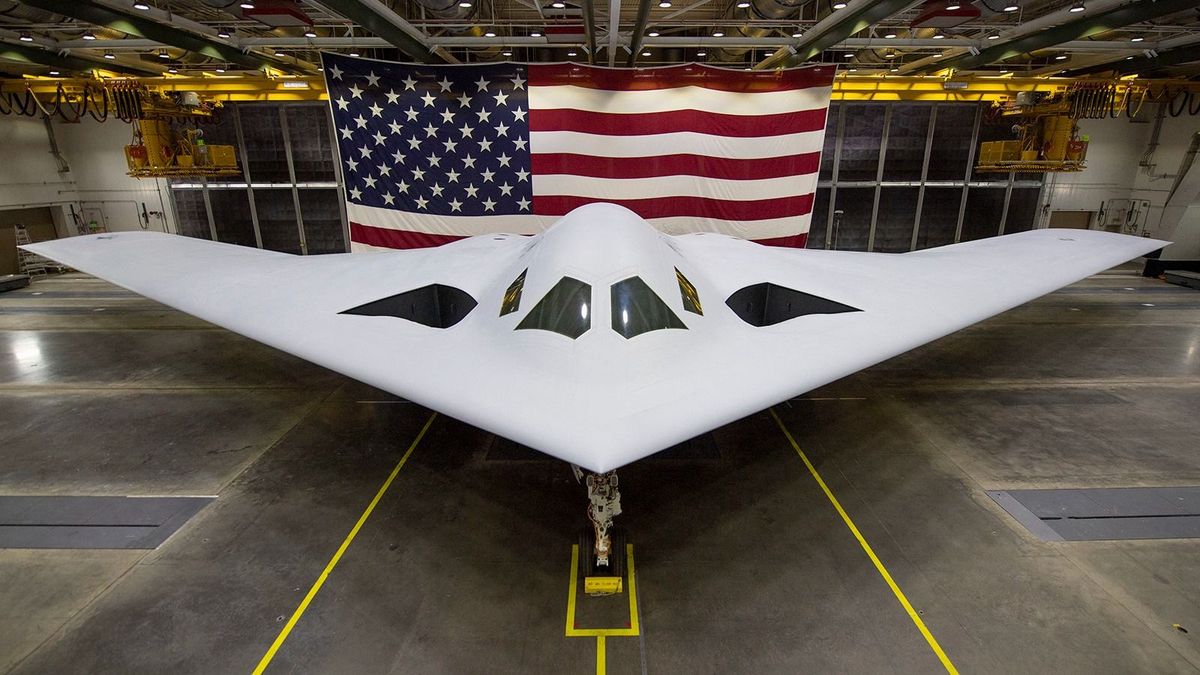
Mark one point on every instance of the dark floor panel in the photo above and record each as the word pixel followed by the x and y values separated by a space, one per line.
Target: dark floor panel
pixel 93 522
pixel 1105 513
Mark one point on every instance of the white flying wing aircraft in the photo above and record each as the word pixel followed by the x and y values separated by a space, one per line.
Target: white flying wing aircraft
pixel 601 340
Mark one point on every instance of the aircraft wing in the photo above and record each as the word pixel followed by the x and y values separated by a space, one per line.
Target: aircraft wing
pixel 597 399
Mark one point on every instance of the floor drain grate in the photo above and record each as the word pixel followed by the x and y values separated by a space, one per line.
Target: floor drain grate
pixel 1097 514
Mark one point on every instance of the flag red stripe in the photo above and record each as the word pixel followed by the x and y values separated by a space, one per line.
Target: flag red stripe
pixel 383 237
pixel 644 124
pixel 675 165
pixel 692 74
pixel 703 207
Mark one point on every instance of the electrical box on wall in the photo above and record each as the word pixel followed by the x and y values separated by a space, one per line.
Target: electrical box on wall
pixel 1127 216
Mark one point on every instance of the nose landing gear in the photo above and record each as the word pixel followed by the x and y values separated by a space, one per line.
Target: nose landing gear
pixel 604 503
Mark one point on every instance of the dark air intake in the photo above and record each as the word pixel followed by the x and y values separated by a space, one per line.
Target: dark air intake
pixel 767 304
pixel 435 305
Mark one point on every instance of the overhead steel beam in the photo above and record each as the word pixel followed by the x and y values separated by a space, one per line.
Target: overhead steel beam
pixel 148 28
pixel 382 21
pixel 1166 53
pixel 614 30
pixel 589 26
pixel 639 32
pixel 25 54
pixel 1092 23
pixel 835 27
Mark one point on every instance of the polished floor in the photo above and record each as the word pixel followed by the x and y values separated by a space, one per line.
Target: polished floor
pixel 743 565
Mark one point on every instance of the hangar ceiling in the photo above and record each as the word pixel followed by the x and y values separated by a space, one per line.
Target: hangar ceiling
pixel 1096 38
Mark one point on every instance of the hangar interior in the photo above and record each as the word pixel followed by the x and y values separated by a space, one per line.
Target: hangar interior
pixel 1020 496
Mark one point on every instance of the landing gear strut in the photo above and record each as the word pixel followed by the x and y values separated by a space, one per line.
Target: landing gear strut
pixel 605 503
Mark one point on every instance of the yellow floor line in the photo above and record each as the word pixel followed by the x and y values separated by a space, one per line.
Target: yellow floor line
pixel 337 556
pixel 912 613
pixel 573 588
pixel 601 657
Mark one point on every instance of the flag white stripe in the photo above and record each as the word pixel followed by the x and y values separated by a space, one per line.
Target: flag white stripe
pixel 466 226
pixel 673 186
pixel 677 143
pixel 679 98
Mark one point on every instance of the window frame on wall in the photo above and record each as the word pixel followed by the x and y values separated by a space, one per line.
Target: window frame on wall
pixel 248 186
pixel 833 182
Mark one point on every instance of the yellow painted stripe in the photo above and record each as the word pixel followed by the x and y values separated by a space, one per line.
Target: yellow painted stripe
pixel 912 613
pixel 573 588
pixel 601 657
pixel 337 556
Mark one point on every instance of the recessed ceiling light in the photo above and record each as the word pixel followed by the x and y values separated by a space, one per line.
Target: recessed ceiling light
pixel 489 34
pixel 310 33
pixel 718 33
pixel 1077 7
pixel 890 34
pixel 141 6
pixel 25 37
pixel 222 33
pixel 652 33
pixel 109 55
pixel 535 34
pixel 1011 7
pixel 839 5
pixel 646 53
pixel 1061 57
pixel 89 35
pixel 1136 39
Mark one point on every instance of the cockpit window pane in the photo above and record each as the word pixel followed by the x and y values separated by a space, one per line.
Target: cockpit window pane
pixel 512 296
pixel 566 309
pixel 691 299
pixel 636 309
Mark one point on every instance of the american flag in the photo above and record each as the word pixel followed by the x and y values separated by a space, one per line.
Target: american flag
pixel 433 153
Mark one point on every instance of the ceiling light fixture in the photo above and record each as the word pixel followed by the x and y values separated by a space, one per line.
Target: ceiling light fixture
pixel 89 35
pixel 506 53
pixel 354 52
pixel 1077 7
pixel 535 34
pixel 172 69
pixel 279 52
pixel 798 33
pixel 1003 70
pixel 465 4
pixel 839 5
pixel 220 69
pixel 1061 57
pixel 953 5
pixel 141 6
pixel 572 53
pixel 25 37
pixel 247 5
pixel 652 33
pixel 162 54
pixel 743 4
pixel 310 33
pixel 890 34
pixel 646 53
pixel 1128 58
pixel 54 72
pixel 994 36
pixel 939 36
pixel 1012 7
pixel 223 32
pixel 665 4
pixel 1136 39
pixel 895 70
pixel 701 54
pixel 489 34
pixel 558 5
pixel 889 54
pixel 852 70
pixel 848 55
pixel 110 56
pixel 717 33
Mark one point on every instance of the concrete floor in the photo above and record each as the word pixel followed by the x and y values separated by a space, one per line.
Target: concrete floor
pixel 742 563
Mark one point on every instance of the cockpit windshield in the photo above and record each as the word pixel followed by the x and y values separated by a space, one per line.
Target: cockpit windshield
pixel 636 309
pixel 565 310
